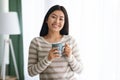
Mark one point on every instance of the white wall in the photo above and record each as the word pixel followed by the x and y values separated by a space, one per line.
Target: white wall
pixel 94 24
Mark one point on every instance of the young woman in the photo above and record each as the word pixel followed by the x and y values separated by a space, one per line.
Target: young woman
pixel 42 58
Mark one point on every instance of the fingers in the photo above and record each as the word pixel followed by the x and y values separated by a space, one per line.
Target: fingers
pixel 67 50
pixel 56 55
pixel 55 49
pixel 66 45
pixel 53 53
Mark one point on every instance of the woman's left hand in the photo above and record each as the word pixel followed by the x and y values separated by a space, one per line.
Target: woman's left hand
pixel 67 50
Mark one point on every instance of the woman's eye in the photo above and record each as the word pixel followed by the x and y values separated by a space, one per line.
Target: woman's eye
pixel 53 17
pixel 61 19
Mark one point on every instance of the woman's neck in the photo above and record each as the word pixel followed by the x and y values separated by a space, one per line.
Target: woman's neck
pixel 53 37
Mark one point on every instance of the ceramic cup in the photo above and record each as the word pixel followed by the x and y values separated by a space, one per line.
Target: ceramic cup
pixel 60 48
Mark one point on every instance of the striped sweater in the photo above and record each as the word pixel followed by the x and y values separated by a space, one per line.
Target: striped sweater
pixel 62 68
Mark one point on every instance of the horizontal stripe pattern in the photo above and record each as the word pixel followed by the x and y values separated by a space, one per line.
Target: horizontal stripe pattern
pixel 60 68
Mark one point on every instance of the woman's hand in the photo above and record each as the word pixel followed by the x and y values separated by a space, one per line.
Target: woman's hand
pixel 67 50
pixel 53 53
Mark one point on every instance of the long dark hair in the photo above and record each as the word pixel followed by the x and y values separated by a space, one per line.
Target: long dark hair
pixel 65 29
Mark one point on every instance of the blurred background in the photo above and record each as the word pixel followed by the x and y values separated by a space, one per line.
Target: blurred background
pixel 95 24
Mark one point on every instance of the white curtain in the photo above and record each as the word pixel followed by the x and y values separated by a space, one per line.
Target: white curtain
pixel 4 8
pixel 96 26
pixel 101 39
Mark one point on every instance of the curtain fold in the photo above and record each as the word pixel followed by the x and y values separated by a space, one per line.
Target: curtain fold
pixel 15 5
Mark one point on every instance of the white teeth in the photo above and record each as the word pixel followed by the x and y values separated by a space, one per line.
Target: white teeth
pixel 55 25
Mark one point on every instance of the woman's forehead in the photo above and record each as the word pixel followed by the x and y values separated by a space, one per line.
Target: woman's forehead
pixel 58 13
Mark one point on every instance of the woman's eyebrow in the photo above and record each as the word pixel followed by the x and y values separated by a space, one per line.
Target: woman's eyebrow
pixel 57 15
pixel 54 14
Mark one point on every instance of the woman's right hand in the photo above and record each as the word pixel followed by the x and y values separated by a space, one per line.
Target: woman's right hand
pixel 53 53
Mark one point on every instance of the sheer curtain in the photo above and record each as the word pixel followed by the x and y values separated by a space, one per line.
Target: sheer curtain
pixel 101 39
pixel 96 26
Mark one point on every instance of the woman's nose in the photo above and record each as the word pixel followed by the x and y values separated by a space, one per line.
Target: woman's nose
pixel 57 20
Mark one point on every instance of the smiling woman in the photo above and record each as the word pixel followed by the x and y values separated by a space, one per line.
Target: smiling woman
pixel 43 59
pixel 56 21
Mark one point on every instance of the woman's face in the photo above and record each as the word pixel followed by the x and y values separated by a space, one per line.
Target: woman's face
pixel 56 21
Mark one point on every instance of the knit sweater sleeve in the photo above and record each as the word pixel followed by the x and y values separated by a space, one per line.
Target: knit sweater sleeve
pixel 74 60
pixel 36 66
